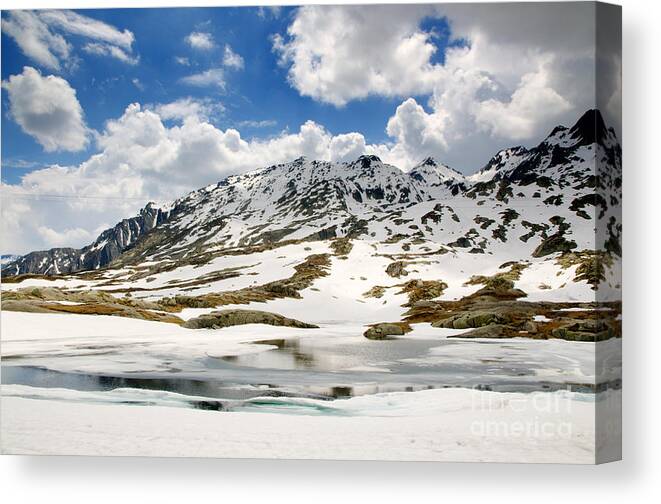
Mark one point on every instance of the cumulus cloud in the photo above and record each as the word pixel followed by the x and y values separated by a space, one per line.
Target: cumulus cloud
pixel 40 35
pixel 46 108
pixel 61 206
pixel 516 119
pixel 232 59
pixel 347 147
pixel 200 40
pixel 340 53
pixel 65 237
pixel 139 159
pixel 509 73
pixel 416 131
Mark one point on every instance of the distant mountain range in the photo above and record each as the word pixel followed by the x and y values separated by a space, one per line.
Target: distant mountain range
pixel 523 202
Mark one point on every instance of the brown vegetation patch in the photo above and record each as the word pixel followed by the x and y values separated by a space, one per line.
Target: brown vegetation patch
pixel 49 300
pixel 489 316
pixel 214 276
pixel 341 247
pixel 591 268
pixel 14 279
pixel 315 266
pixel 500 285
pixel 83 309
pixel 418 290
pixel 375 292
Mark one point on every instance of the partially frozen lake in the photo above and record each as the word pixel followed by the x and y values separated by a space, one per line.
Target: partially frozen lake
pixel 334 367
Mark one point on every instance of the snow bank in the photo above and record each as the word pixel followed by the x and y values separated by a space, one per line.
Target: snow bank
pixel 441 425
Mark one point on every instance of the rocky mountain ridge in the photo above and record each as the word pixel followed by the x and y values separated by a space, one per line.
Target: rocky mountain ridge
pixel 524 201
pixel 110 244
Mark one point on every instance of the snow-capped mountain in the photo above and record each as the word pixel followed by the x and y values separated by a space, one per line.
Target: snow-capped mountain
pixel 523 202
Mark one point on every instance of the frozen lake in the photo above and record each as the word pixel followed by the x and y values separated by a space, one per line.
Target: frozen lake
pixel 327 367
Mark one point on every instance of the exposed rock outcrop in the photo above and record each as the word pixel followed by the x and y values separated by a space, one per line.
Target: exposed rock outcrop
pixel 108 246
pixel 228 318
pixel 384 330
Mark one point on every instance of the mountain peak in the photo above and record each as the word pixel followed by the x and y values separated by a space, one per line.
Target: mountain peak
pixel 366 160
pixel 503 161
pixel 590 128
pixel 428 161
pixel 430 170
pixel 557 130
pixel 433 163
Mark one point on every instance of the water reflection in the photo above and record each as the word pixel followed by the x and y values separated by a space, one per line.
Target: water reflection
pixel 288 354
pixel 314 354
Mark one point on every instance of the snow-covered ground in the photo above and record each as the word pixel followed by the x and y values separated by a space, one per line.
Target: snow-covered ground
pixel 440 424
pixel 443 425
pixel 349 279
pixel 391 414
pixel 120 346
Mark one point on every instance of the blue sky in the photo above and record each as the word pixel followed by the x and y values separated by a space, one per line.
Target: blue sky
pixel 259 93
pixel 105 110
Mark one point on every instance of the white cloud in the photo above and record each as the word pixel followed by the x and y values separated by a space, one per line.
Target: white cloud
pixel 47 109
pixel 340 53
pixel 232 59
pixel 84 26
pixel 101 49
pixel 71 211
pixel 65 237
pixel 200 40
pixel 213 77
pixel 188 107
pixel 347 147
pixel 181 60
pixel 39 34
pixel 516 119
pixel 35 39
pixel 511 73
pixel 18 163
pixel 417 133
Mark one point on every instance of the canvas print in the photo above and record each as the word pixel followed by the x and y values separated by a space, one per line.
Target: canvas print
pixel 382 232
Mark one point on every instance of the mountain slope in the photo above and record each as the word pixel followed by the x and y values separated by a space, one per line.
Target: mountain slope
pixel 523 203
